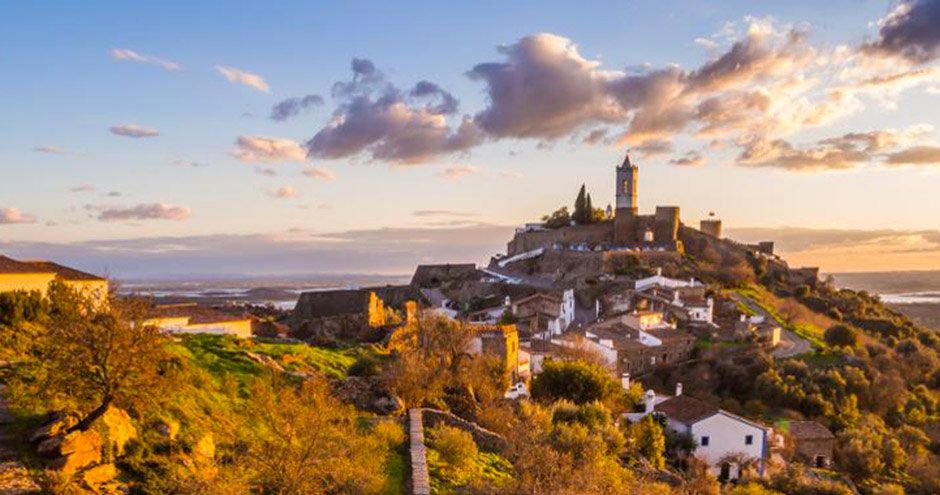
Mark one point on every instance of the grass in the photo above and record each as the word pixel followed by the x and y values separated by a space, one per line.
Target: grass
pixel 805 323
pixel 225 355
pixel 396 473
pixel 489 466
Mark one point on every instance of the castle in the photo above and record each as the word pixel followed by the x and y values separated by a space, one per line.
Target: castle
pixel 626 230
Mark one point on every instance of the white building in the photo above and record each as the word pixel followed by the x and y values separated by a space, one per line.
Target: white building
pixel 659 280
pixel 722 439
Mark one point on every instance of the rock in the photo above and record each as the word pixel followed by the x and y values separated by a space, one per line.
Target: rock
pixel 118 429
pixel 99 474
pixel 77 450
pixel 368 394
pixel 56 424
pixel 265 361
pixel 15 480
pixel 169 428
pixel 204 450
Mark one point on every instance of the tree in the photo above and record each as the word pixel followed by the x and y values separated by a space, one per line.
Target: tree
pixel 577 381
pixel 557 219
pixel 93 355
pixel 647 439
pixel 301 439
pixel 580 207
pixel 458 451
pixel 841 335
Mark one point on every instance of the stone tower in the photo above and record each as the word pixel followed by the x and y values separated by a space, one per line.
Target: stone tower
pixel 627 174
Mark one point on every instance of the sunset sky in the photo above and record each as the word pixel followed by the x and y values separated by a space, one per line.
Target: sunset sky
pixel 255 137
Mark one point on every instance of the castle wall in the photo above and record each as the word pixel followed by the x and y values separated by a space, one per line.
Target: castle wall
pixel 575 234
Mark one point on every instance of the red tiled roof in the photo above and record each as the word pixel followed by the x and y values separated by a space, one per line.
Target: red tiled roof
pixel 686 409
pixel 64 272
pixel 10 265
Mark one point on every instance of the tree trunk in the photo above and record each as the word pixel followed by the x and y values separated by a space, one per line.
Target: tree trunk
pixel 90 418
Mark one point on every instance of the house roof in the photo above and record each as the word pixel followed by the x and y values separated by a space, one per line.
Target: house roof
pixel 806 430
pixel 537 295
pixel 64 272
pixel 10 265
pixel 197 314
pixel 686 409
pixel 433 275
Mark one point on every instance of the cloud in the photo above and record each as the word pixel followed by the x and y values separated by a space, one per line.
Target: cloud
pixel 49 149
pixel 909 31
pixel 133 131
pixel 284 192
pixel 293 106
pixel 706 42
pixel 458 172
pixel 916 155
pixel 188 163
pixel 690 159
pixel 544 89
pixel 143 211
pixel 389 124
pixel 319 173
pixel 114 194
pixel 511 174
pixel 14 215
pixel 653 147
pixel 384 250
pixel 83 188
pixel 268 171
pixel 263 149
pixel 238 76
pixel 443 213
pixel 843 250
pixel 132 56
pixel 781 154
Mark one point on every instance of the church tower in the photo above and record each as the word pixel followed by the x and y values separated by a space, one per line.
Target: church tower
pixel 626 187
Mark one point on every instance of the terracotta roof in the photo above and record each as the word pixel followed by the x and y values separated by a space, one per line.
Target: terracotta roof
pixel 10 265
pixel 64 272
pixel 806 430
pixel 686 409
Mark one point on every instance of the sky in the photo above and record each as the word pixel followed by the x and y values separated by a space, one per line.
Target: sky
pixel 148 139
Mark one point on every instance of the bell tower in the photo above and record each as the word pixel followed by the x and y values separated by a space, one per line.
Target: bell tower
pixel 627 176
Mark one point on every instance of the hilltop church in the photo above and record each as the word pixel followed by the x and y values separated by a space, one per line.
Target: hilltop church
pixel 626 230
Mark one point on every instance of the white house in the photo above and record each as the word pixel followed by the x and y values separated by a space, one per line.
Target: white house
pixel 659 280
pixel 722 439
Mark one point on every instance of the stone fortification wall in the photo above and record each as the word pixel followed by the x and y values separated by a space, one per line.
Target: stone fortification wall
pixel 485 439
pixel 600 232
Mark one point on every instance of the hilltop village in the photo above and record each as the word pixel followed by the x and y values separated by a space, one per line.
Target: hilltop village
pixel 700 364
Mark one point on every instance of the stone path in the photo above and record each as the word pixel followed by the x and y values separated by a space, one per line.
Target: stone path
pixel 420 481
pixel 790 344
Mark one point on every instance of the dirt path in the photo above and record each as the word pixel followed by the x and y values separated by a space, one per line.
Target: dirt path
pixel 14 477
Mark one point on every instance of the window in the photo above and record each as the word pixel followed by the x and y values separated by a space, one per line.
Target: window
pixel 704 442
pixel 749 440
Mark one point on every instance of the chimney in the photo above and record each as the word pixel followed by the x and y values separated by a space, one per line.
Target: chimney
pixel 659 271
pixel 625 381
pixel 650 401
pixel 743 317
pixel 678 389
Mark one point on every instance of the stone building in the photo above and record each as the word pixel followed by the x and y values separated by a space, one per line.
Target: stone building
pixel 500 341
pixel 627 229
pixel 627 349
pixel 812 442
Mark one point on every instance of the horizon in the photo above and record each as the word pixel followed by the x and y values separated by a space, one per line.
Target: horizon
pixel 195 144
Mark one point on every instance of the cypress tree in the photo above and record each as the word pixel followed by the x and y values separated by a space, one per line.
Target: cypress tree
pixel 580 207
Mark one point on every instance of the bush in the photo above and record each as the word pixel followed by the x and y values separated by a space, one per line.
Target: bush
pixel 367 365
pixel 841 335
pixel 456 447
pixel 576 381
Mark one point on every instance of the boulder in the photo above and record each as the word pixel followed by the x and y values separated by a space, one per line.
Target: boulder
pixel 77 450
pixel 368 394
pixel 204 450
pixel 168 428
pixel 99 474
pixel 265 361
pixel 56 424
pixel 117 428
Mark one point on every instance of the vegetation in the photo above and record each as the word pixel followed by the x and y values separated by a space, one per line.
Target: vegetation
pixel 579 382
